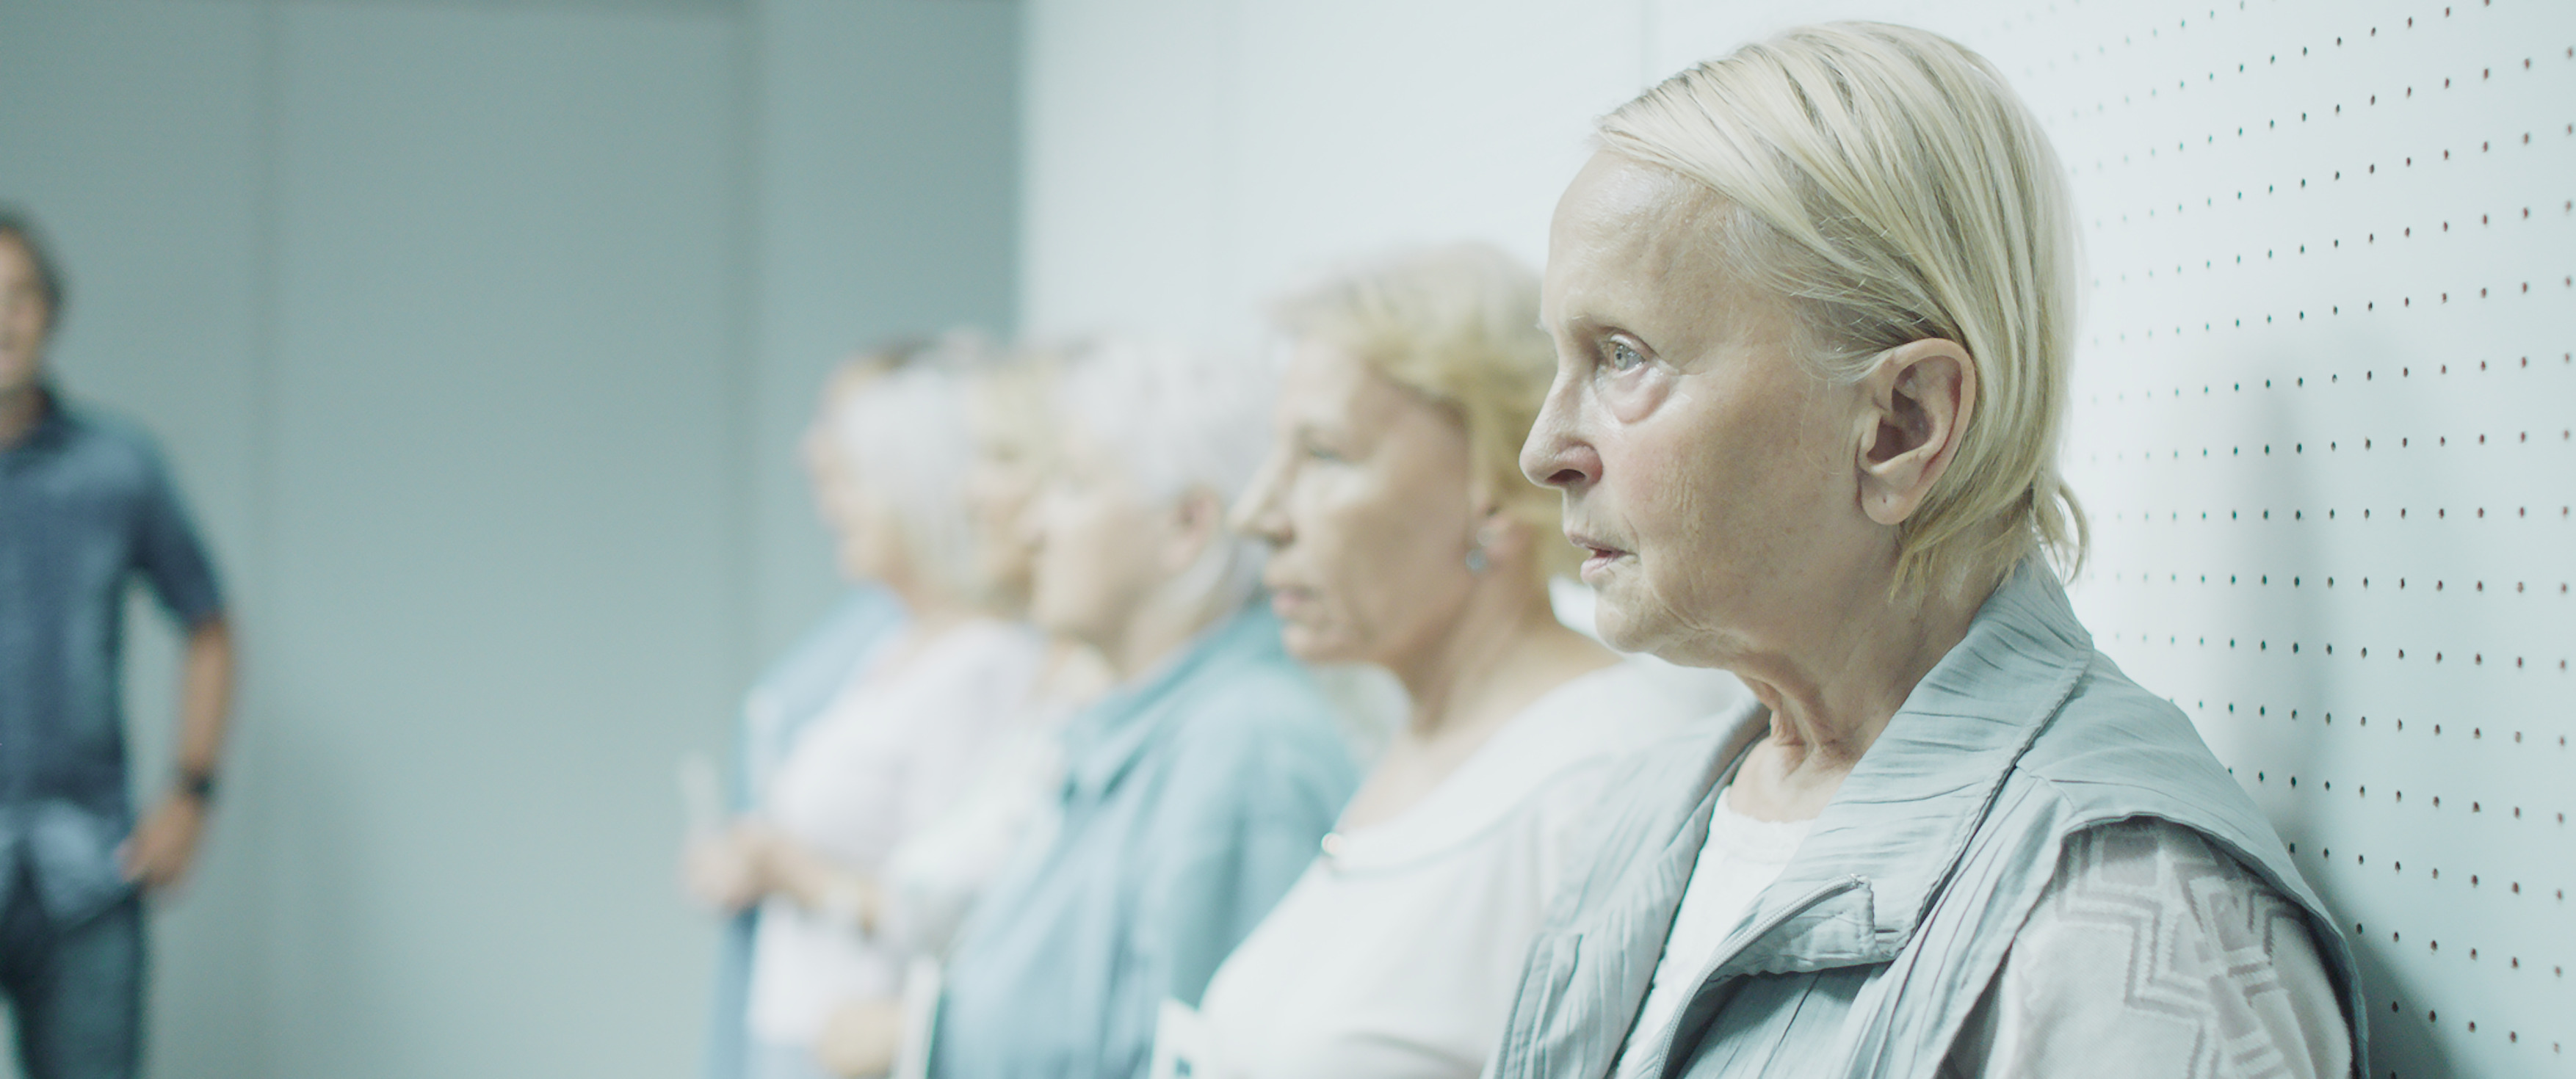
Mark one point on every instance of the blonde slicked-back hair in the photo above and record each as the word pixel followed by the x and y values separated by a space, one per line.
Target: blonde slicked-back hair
pixel 1458 325
pixel 1891 185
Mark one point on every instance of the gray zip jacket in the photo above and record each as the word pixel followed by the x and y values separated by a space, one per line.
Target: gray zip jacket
pixel 1869 953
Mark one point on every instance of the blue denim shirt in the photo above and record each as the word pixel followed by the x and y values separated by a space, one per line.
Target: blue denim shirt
pixel 85 508
pixel 1193 799
pixel 793 691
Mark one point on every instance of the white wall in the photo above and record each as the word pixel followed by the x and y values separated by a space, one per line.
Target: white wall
pixel 1185 159
pixel 477 334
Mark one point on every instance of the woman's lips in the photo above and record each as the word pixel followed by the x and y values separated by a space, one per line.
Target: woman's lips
pixel 1597 555
pixel 1287 600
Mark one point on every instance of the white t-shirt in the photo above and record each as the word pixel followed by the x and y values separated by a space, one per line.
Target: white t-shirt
pixel 1741 858
pixel 934 875
pixel 1397 953
pixel 890 754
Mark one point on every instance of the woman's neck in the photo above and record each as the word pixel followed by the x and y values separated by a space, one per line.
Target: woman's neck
pixel 1162 624
pixel 1503 650
pixel 928 612
pixel 1496 658
pixel 1834 692
pixel 1074 675
pixel 20 407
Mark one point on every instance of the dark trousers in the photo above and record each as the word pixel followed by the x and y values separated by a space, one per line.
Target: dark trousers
pixel 76 990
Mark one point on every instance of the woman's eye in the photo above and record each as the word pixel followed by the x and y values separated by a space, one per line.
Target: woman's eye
pixel 1623 357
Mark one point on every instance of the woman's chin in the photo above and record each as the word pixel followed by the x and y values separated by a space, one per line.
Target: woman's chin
pixel 1629 626
pixel 1313 644
pixel 1616 630
pixel 1055 617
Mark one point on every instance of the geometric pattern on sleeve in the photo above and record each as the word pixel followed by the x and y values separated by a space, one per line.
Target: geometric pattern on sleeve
pixel 2154 954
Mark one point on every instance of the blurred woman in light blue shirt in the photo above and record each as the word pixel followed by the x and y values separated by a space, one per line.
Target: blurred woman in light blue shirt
pixel 1198 790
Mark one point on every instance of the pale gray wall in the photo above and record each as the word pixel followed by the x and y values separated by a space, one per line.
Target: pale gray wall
pixel 502 602
pixel 479 334
pixel 872 220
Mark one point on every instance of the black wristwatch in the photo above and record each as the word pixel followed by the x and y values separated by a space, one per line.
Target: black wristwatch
pixel 198 784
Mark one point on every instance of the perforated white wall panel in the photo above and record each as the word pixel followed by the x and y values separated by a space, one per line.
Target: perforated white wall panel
pixel 2322 422
pixel 2323 404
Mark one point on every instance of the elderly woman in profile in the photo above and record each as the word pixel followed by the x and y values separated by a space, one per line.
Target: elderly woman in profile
pixel 788 695
pixel 905 734
pixel 1197 789
pixel 1403 535
pixel 1812 304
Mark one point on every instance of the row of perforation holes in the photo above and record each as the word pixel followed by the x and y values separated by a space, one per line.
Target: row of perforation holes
pixel 2566 360
pixel 2567 209
pixel 2369 168
pixel 2476 658
pixel 2485 74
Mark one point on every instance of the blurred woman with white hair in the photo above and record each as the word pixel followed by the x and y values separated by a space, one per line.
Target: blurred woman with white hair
pixel 1813 304
pixel 928 882
pixel 791 693
pixel 1198 789
pixel 904 736
pixel 1404 536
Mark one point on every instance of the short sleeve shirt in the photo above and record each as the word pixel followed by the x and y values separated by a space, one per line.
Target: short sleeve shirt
pixel 1192 799
pixel 86 508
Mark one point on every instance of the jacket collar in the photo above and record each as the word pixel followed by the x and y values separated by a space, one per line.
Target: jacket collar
pixel 1884 846
pixel 1104 741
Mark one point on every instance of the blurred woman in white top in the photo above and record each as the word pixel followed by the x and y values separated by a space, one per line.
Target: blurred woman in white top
pixel 903 739
pixel 1405 536
pixel 931 880
pixel 916 900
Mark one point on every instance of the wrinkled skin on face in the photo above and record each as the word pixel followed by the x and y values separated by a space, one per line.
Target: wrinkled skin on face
pixel 1709 476
pixel 1737 510
pixel 1365 500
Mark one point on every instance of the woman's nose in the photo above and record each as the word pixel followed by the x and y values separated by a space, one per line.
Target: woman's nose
pixel 1029 524
pixel 1556 455
pixel 1256 512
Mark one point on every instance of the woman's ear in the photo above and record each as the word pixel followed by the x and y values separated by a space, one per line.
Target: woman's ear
pixel 1917 402
pixel 1197 519
pixel 1503 537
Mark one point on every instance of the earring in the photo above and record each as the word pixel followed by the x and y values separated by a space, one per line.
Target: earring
pixel 1476 558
